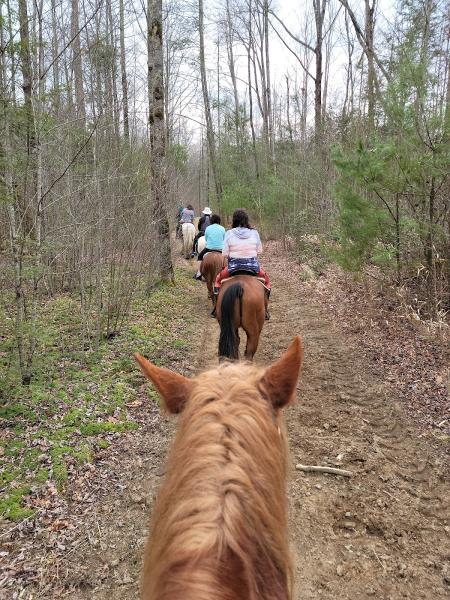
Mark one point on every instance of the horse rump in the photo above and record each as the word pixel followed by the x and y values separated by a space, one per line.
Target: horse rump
pixel 228 340
pixel 188 231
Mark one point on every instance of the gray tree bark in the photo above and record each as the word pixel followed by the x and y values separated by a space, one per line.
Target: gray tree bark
pixel 369 33
pixel 319 15
pixel 158 138
pixel 123 71
pixel 77 64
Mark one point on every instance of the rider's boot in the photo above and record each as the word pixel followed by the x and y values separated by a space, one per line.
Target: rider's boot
pixel 216 293
pixel 267 309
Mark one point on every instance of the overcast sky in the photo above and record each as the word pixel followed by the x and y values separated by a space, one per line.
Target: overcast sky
pixel 294 15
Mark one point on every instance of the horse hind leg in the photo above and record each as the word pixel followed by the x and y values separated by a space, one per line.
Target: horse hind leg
pixel 253 331
pixel 210 289
pixel 252 346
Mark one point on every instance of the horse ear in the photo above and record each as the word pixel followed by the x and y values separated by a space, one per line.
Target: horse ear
pixel 172 387
pixel 280 380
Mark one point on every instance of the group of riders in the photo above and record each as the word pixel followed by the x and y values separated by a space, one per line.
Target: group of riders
pixel 241 244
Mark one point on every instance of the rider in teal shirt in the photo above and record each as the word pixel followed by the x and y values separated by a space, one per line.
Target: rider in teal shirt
pixel 214 236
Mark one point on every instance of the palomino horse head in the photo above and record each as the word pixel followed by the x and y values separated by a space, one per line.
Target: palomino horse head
pixel 219 526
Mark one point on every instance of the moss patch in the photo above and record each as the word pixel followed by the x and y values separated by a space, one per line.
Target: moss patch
pixel 78 401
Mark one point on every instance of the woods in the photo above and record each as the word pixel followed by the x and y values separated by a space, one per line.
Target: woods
pixel 90 174
pixel 328 121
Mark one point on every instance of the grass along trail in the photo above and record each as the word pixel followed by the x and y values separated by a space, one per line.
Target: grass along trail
pixel 381 533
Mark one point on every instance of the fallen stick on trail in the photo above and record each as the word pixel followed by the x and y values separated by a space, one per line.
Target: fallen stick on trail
pixel 317 469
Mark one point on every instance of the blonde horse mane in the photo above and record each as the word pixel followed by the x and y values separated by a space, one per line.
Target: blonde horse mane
pixel 219 526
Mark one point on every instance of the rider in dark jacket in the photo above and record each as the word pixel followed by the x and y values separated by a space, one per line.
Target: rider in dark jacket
pixel 203 223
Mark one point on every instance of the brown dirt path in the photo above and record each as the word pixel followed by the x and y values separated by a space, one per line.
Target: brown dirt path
pixel 382 534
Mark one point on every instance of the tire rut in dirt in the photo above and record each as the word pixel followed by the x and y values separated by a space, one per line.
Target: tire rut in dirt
pixel 380 534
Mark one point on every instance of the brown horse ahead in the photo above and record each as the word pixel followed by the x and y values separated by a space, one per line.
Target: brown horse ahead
pixel 219 529
pixel 242 302
pixel 212 264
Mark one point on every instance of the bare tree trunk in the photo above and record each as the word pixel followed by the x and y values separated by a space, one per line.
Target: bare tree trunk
pixel 430 252
pixel 112 74
pixel 268 90
pixel 326 77
pixel 259 59
pixel 11 34
pixel 237 115
pixel 25 59
pixel 12 207
pixel 123 71
pixel 369 34
pixel 158 138
pixel 37 101
pixel 208 118
pixel 77 64
pixel 304 112
pixel 168 119
pixel 319 14
pixel 288 108
pixel 218 89
pixel 347 108
pixel 250 102
pixel 55 61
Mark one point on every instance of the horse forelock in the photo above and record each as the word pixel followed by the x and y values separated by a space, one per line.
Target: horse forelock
pixel 219 525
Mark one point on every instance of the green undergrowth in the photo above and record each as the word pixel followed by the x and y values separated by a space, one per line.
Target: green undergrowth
pixel 78 401
pixel 315 251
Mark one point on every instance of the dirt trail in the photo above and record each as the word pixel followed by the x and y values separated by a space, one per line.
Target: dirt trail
pixel 381 534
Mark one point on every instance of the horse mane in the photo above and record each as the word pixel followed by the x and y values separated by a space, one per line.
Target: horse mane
pixel 219 524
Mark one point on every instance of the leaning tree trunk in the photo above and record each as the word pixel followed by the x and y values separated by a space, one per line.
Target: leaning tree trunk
pixel 158 138
pixel 208 118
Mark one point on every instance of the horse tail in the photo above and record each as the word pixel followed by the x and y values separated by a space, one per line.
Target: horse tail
pixel 228 341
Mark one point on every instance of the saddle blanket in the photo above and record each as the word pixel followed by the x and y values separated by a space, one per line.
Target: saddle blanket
pixel 260 279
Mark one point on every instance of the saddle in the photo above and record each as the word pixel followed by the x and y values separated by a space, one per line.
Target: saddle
pixel 243 272
pixel 246 272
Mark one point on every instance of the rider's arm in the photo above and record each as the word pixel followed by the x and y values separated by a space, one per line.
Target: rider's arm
pixel 259 247
pixel 226 247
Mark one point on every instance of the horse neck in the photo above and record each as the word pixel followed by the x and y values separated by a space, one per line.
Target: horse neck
pixel 221 514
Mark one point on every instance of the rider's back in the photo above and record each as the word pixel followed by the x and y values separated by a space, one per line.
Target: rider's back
pixel 242 242
pixel 214 236
pixel 187 215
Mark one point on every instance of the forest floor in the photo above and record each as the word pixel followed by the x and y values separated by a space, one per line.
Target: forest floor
pixel 383 533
